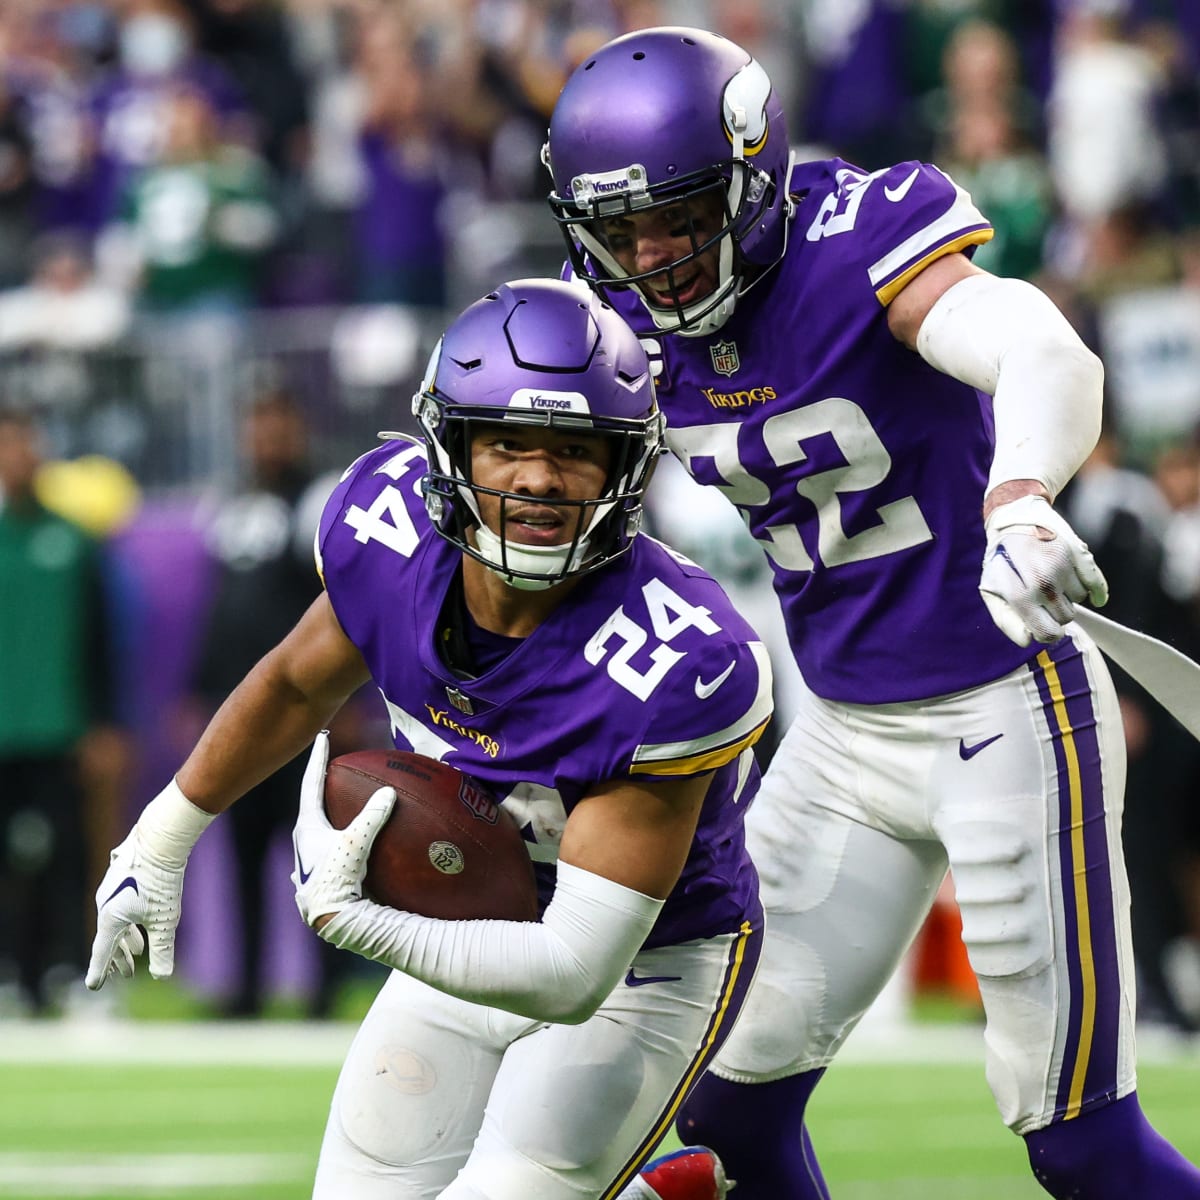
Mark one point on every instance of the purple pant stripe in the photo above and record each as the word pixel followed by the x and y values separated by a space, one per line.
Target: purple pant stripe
pixel 1089 1064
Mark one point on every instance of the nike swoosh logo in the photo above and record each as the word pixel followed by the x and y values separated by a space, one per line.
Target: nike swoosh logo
pixel 1001 552
pixel 896 194
pixel 965 752
pixel 304 875
pixel 632 980
pixel 704 690
pixel 127 882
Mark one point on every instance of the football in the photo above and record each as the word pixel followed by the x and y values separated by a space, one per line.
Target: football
pixel 448 850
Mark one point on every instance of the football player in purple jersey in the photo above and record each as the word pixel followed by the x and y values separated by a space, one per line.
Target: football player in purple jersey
pixel 491 581
pixel 894 425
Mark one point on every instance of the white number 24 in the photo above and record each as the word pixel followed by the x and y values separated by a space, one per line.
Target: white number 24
pixel 669 614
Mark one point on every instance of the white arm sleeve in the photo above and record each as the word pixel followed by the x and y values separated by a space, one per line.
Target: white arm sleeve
pixel 558 969
pixel 1007 338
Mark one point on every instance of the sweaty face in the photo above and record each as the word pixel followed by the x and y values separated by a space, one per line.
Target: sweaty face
pixel 539 466
pixel 672 236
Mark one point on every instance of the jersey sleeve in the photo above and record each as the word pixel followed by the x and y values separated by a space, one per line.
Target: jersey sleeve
pixel 715 703
pixel 926 215
pixel 898 220
pixel 369 529
pixel 335 505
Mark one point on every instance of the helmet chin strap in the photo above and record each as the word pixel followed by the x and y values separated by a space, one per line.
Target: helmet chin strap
pixel 697 326
pixel 723 299
pixel 550 562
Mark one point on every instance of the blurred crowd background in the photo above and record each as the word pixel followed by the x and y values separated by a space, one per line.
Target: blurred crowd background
pixel 230 231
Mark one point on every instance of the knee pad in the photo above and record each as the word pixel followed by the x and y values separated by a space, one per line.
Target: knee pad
pixel 400 1106
pixel 998 883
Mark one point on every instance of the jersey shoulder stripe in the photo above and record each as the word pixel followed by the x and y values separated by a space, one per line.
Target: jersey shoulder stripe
pixel 722 746
pixel 960 226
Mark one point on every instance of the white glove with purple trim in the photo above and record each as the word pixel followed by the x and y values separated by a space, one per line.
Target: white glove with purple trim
pixel 143 886
pixel 1035 570
pixel 330 863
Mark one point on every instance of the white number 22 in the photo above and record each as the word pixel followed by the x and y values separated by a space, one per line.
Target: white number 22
pixel 901 522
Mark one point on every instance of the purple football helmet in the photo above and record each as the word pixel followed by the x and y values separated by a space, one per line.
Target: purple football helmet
pixel 548 353
pixel 662 116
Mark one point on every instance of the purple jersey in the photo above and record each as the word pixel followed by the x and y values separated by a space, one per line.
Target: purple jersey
pixel 398 221
pixel 645 671
pixel 858 467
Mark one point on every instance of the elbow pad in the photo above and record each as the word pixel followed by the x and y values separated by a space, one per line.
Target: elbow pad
pixel 558 969
pixel 1007 338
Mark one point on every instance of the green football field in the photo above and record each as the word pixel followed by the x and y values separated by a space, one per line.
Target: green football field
pixel 208 1110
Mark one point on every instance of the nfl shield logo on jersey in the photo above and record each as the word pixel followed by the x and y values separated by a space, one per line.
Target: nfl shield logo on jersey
pixel 724 358
pixel 460 700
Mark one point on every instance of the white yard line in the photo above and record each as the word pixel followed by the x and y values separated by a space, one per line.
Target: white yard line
pixel 58 1174
pixel 297 1044
pixel 322 1043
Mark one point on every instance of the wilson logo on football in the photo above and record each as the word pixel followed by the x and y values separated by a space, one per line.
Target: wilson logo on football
pixel 398 764
pixel 482 806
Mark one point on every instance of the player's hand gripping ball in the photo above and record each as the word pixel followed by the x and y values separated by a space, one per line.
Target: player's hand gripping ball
pixel 448 849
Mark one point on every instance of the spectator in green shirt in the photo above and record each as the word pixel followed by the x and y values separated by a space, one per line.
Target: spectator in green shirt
pixel 194 227
pixel 56 725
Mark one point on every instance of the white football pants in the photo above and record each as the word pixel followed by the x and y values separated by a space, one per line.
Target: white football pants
pixel 439 1097
pixel 1018 785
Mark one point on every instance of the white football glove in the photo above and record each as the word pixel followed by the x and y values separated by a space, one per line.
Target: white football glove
pixel 144 886
pixel 1035 570
pixel 330 863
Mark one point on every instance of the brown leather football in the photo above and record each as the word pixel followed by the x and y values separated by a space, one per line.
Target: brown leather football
pixel 448 849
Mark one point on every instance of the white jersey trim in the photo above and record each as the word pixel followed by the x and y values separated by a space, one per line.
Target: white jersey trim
pixel 724 744
pixel 961 217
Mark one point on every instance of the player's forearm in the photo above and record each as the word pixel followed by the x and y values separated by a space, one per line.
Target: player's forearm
pixel 276 711
pixel 264 723
pixel 1007 338
pixel 559 969
pixel 1013 489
